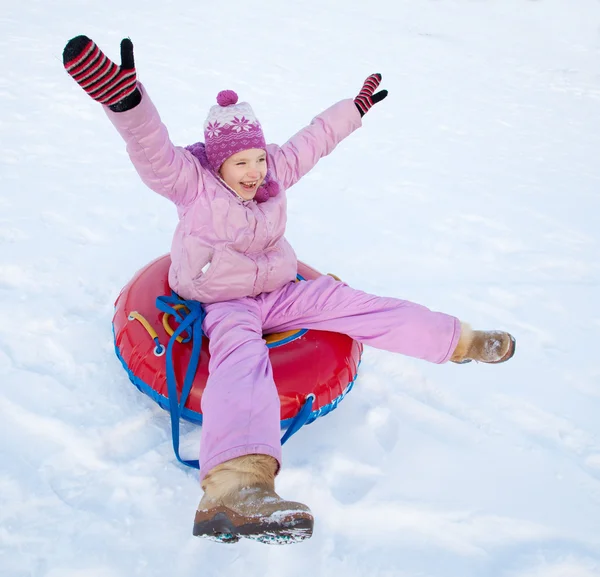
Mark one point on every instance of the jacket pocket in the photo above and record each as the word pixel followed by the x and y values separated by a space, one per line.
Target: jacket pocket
pixel 210 269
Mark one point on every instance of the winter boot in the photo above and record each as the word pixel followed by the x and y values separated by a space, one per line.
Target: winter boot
pixel 240 501
pixel 484 346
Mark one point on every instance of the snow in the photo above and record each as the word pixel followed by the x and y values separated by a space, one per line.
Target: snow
pixel 472 189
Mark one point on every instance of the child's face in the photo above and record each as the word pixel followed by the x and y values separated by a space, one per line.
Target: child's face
pixel 245 171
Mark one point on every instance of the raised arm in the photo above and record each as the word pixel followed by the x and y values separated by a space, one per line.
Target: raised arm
pixel 168 170
pixel 300 153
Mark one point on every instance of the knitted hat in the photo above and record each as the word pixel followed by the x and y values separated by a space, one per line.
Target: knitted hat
pixel 230 128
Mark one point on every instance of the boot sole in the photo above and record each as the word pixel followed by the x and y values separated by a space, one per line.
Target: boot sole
pixel 507 356
pixel 221 529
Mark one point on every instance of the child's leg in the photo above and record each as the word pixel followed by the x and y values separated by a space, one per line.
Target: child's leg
pixel 385 323
pixel 240 405
pixel 240 450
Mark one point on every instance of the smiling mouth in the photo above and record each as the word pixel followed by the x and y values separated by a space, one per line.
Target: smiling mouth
pixel 249 185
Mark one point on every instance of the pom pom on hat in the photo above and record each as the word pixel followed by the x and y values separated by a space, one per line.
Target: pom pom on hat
pixel 227 98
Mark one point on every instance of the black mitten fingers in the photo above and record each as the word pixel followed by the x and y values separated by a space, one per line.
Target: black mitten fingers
pixel 379 96
pixel 74 48
pixel 127 54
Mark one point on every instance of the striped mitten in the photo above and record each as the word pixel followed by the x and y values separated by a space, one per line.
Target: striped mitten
pixel 366 98
pixel 99 76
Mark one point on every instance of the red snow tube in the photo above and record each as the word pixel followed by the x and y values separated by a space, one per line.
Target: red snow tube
pixel 306 363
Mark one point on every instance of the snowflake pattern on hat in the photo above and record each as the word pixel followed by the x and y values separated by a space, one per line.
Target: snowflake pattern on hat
pixel 213 129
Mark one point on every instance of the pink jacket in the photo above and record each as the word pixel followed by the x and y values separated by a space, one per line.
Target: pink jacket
pixel 225 248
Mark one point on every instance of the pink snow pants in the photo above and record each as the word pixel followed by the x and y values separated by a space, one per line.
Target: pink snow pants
pixel 240 405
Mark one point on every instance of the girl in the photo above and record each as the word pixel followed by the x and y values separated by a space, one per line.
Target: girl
pixel 229 252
